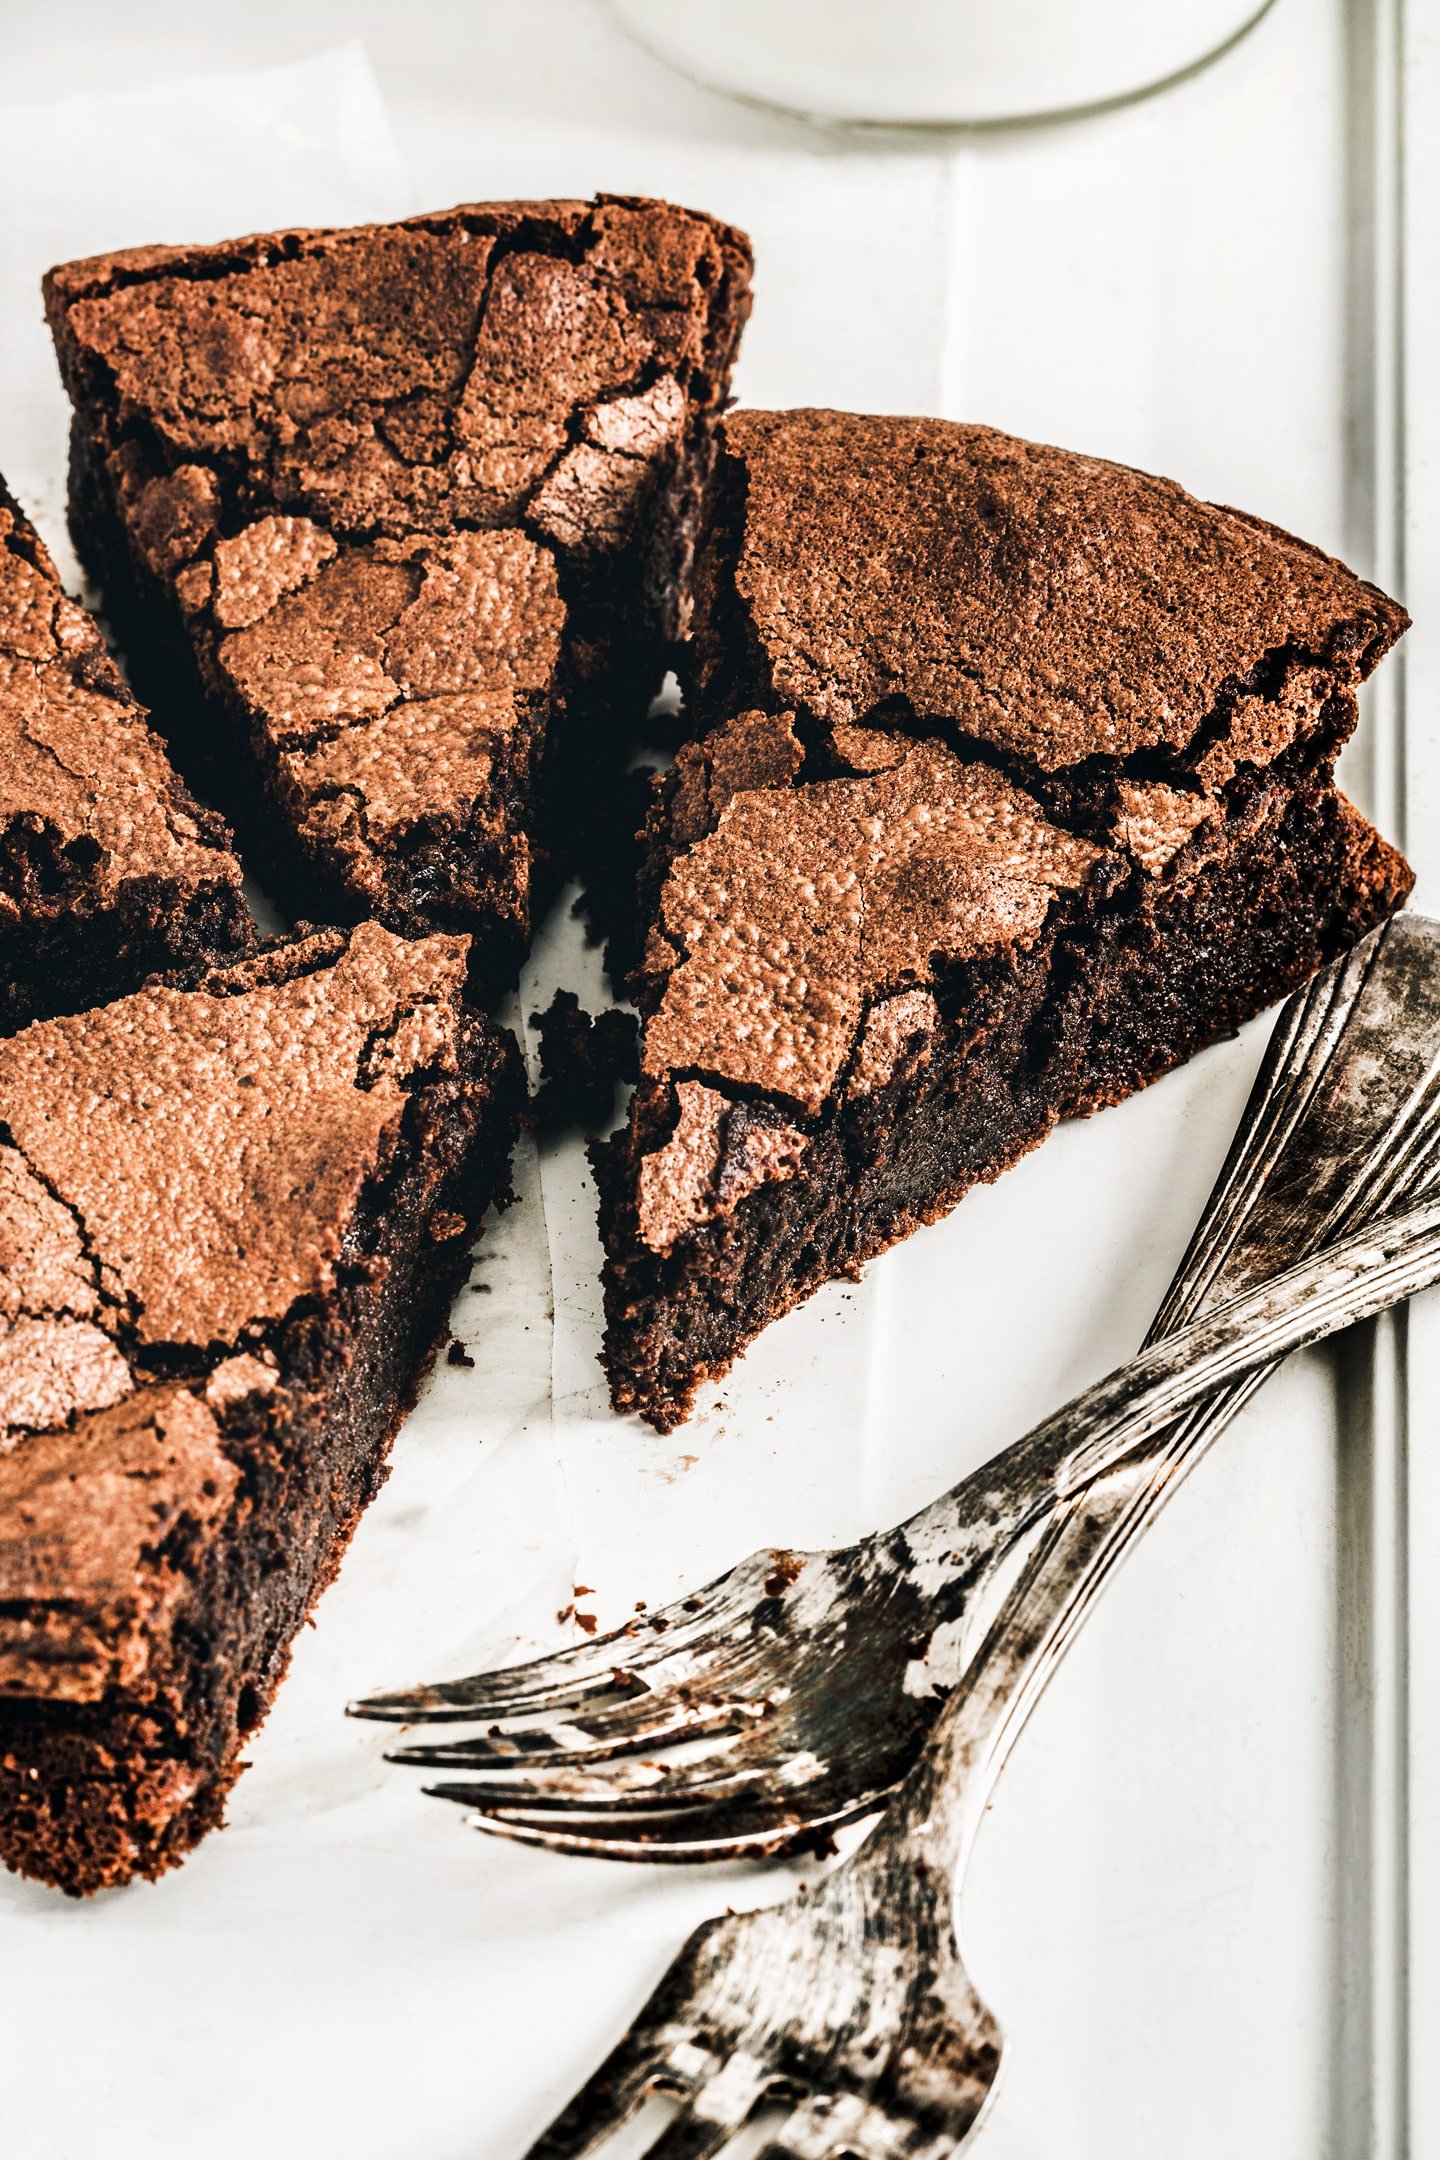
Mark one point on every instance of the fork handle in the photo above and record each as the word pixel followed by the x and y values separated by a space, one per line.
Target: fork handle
pixel 1341 1126
pixel 942 1802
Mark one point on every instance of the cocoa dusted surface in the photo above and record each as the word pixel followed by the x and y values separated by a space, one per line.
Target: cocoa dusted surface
pixel 232 1212
pixel 108 866
pixel 1002 740
pixel 416 503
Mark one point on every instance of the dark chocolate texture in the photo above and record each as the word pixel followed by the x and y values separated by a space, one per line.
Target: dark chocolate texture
pixel 413 507
pixel 584 1058
pixel 232 1213
pixel 1016 788
pixel 109 868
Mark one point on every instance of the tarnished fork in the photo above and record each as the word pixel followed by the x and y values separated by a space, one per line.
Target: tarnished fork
pixel 810 1681
pixel 851 2005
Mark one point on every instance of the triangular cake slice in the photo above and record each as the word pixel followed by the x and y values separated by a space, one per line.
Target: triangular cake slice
pixel 1016 789
pixel 232 1215
pixel 109 869
pixel 396 521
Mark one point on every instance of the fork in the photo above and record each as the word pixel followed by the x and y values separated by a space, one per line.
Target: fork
pixel 852 2002
pixel 810 1681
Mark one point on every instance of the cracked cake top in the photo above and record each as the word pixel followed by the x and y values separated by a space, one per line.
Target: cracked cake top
pixel 1055 607
pixel 79 763
pixel 777 929
pixel 179 1173
pixel 955 686
pixel 486 366
pixel 414 492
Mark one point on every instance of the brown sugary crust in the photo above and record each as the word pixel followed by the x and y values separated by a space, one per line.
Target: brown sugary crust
pixel 807 902
pixel 1090 1013
pixel 1055 607
pixel 413 507
pixel 109 868
pixel 201 1368
pixel 990 723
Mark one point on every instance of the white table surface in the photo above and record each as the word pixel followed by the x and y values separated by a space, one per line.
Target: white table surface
pixel 1205 1903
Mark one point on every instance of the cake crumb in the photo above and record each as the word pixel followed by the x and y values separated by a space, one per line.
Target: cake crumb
pixel 583 1059
pixel 457 1354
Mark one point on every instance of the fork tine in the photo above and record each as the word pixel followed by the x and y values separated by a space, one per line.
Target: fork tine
pixel 568 1677
pixel 710 1621
pixel 822 2124
pixel 603 2103
pixel 639 2064
pixel 566 1782
pixel 751 1828
pixel 644 1721
pixel 721 2106
pixel 621 1784
pixel 825 2125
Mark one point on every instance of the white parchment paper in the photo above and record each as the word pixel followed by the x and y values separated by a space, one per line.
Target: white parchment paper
pixel 346 1969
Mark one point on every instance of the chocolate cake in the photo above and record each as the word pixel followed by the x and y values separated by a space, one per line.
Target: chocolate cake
pixel 400 521
pixel 109 868
pixel 1014 787
pixel 232 1215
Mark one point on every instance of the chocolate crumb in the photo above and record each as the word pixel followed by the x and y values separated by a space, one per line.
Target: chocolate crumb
pixel 583 1059
pixel 457 1354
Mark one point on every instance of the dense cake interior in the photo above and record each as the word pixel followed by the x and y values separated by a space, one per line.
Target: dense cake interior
pixel 108 866
pixel 414 505
pixel 232 1215
pixel 1020 791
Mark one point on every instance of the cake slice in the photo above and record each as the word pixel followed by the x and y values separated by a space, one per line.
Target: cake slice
pixel 232 1215
pixel 1015 788
pixel 109 869
pixel 400 520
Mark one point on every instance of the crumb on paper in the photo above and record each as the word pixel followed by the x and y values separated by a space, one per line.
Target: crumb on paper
pixel 457 1354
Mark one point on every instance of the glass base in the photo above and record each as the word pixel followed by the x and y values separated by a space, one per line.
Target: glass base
pixel 938 64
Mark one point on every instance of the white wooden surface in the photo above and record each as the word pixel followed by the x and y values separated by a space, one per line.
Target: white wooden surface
pixel 1232 1943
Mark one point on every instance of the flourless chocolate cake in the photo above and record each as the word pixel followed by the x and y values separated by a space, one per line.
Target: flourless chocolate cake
pixel 1015 788
pixel 411 508
pixel 109 869
pixel 232 1215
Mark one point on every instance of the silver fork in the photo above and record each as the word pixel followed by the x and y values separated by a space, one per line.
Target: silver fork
pixel 852 2002
pixel 810 1681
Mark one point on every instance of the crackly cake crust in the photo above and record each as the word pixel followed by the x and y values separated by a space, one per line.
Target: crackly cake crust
pixel 1052 607
pixel 109 868
pixel 231 1216
pixel 417 501
pixel 1018 789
